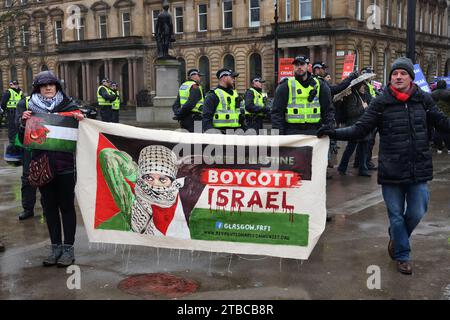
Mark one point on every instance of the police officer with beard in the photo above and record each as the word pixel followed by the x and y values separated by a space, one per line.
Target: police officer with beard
pixel 303 103
pixel 222 105
pixel 187 108
pixel 255 109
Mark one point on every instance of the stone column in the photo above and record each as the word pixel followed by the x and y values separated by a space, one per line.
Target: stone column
pixel 88 81
pixel 130 81
pixel 67 80
pixel 311 54
pixel 110 69
pixel 324 54
pixel 105 67
pixel 135 81
pixel 83 79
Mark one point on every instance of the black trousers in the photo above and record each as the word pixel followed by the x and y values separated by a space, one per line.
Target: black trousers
pixel 255 123
pixel 28 191
pixel 106 113
pixel 441 139
pixel 115 116
pixel 58 197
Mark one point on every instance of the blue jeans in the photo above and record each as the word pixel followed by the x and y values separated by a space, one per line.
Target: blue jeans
pixel 403 222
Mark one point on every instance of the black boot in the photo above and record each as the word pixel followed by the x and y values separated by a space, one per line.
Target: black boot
pixel 25 215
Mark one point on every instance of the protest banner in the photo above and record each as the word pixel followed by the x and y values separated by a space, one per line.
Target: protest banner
pixel 262 195
pixel 286 68
pixel 349 65
pixel 420 80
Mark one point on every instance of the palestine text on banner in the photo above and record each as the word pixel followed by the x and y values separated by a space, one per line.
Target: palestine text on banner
pixel 242 194
pixel 51 132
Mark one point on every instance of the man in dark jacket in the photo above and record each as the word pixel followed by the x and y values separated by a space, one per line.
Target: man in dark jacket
pixel 309 91
pixel 402 114
pixel 188 105
pixel 442 98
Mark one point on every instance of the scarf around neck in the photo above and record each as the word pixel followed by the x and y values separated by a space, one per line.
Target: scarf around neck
pixel 402 96
pixel 40 104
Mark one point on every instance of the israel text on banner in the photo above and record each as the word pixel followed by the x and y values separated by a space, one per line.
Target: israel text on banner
pixel 222 193
pixel 51 132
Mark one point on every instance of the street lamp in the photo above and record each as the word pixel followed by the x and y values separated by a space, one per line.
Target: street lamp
pixel 275 3
pixel 411 31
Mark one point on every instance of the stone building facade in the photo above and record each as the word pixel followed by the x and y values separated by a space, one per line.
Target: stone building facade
pixel 86 40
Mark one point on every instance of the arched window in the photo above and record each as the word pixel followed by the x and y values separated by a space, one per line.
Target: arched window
pixel 386 67
pixel 29 79
pixel 204 68
pixel 228 61
pixel 255 65
pixel 373 59
pixel 182 70
pixel 13 72
pixel 44 67
pixel 358 57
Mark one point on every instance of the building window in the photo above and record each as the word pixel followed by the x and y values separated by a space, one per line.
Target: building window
pixel 254 13
pixel 439 25
pixel 204 68
pixel 29 83
pixel 58 31
pixel 421 20
pixel 25 35
pixel 399 14
pixel 182 70
pixel 179 20
pixel 228 62
pixel 23 2
pixel 202 17
pixel 387 12
pixel 102 24
pixel 386 67
pixel 8 3
pixel 13 72
pixel 44 67
pixel 255 65
pixel 126 24
pixel 41 34
pixel 155 14
pixel 10 37
pixel 430 23
pixel 358 10
pixel 227 17
pixel 80 29
pixel 288 10
pixel 305 9
pixel 323 9
pixel 373 59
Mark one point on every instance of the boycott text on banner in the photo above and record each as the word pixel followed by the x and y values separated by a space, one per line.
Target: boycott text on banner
pixel 242 194
pixel 419 79
pixel 286 68
pixel 349 65
pixel 51 132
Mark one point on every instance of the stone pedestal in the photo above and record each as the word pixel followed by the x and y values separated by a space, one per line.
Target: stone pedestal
pixel 167 84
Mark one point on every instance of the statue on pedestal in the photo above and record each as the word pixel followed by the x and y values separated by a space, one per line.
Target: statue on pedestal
pixel 164 32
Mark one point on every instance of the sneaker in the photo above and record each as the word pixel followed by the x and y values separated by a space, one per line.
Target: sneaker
pixel 52 259
pixel 404 267
pixel 67 258
pixel 439 151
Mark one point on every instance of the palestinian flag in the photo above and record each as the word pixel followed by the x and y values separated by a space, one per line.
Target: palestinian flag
pixel 51 132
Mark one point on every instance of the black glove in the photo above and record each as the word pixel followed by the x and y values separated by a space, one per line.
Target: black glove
pixel 326 130
pixel 312 94
pixel 353 75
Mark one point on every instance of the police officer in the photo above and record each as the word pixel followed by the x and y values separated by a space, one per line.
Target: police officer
pixel 221 109
pixel 187 108
pixel 105 99
pixel 303 103
pixel 116 103
pixel 320 71
pixel 255 105
pixel 369 85
pixel 9 102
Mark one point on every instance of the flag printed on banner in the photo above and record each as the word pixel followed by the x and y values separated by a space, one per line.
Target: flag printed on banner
pixel 169 189
pixel 51 132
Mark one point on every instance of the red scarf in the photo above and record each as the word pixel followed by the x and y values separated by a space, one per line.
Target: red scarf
pixel 162 217
pixel 402 96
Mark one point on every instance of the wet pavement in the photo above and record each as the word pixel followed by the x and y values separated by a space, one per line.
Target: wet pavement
pixel 340 267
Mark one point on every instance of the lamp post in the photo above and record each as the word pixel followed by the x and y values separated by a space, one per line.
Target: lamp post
pixel 411 31
pixel 275 3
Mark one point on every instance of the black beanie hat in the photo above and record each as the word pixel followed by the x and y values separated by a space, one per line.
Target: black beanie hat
pixel 405 64
pixel 43 78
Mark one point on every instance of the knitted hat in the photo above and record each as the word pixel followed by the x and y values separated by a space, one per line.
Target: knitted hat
pixel 43 78
pixel 405 64
pixel 158 159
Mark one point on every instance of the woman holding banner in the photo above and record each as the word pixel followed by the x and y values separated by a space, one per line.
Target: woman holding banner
pixel 52 171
